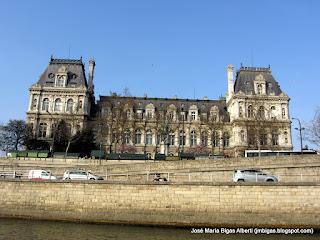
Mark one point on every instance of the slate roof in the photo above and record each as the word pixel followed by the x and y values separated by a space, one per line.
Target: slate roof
pixel 246 76
pixel 75 70
pixel 142 102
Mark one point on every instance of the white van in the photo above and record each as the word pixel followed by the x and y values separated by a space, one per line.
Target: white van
pixel 40 175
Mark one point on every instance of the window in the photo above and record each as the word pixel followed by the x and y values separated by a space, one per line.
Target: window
pixel 226 140
pixel 53 129
pixel 138 136
pixel 204 139
pixel 127 137
pixel 80 104
pixel 259 88
pixel 261 112
pixel 263 139
pixel 171 115
pixel 250 111
pixel 274 138
pixel 215 139
pixel 58 105
pixel 193 138
pixel 182 138
pixel 45 105
pixel 273 108
pixel 149 137
pixel 283 113
pixel 285 137
pixel 240 112
pixel 242 136
pixel 158 139
pixel 193 115
pixel 42 130
pixel 70 105
pixel 171 138
pixel 251 138
pixel 34 104
pixel 182 116
pixel 60 81
pixel 149 113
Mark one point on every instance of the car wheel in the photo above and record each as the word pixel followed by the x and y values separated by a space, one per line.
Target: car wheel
pixel 91 179
pixel 67 178
pixel 270 180
pixel 240 180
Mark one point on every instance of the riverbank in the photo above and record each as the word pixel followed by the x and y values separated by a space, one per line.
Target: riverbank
pixel 164 204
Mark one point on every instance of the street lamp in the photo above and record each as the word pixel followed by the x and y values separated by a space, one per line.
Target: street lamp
pixel 53 129
pixel 300 131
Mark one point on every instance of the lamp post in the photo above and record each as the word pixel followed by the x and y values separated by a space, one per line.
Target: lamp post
pixel 53 132
pixel 300 131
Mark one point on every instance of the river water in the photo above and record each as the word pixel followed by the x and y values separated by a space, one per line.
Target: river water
pixel 39 230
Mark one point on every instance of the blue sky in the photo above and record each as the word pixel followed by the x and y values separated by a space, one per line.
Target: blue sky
pixel 162 48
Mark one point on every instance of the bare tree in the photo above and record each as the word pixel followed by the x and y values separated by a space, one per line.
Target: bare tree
pixel 12 135
pixel 312 133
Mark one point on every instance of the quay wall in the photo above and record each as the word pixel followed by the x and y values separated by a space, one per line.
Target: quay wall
pixel 183 204
pixel 304 168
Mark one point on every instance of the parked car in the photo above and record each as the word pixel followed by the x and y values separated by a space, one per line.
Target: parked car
pixel 40 175
pixel 251 175
pixel 158 178
pixel 80 175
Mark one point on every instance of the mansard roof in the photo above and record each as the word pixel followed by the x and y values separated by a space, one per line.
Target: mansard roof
pixel 203 106
pixel 247 75
pixel 75 71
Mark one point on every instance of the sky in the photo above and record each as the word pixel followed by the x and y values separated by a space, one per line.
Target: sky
pixel 162 48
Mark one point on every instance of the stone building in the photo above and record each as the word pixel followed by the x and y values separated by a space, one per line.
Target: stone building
pixel 254 114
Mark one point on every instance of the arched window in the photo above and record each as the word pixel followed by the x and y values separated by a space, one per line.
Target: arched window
pixel 215 139
pixel 149 137
pixel 45 105
pixel 42 130
pixel 171 138
pixel 138 136
pixel 250 111
pixel 226 138
pixel 204 139
pixel 261 112
pixel 182 138
pixel 193 138
pixel 70 105
pixel 127 136
pixel 58 105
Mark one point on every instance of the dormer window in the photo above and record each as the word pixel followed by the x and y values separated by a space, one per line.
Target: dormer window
pixel 193 115
pixel 60 81
pixel 259 88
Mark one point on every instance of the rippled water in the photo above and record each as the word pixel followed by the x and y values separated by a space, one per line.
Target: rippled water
pixel 39 230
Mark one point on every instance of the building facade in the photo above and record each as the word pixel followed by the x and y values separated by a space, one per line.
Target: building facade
pixel 254 114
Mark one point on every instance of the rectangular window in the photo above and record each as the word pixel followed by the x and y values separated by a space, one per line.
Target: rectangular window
pixel 193 115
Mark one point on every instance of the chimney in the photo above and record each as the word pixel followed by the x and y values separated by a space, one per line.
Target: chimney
pixel 230 81
pixel 92 64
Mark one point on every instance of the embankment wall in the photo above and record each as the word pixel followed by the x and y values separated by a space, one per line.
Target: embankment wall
pixel 184 204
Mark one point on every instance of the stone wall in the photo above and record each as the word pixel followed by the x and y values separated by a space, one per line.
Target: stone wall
pixel 289 205
pixel 286 168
